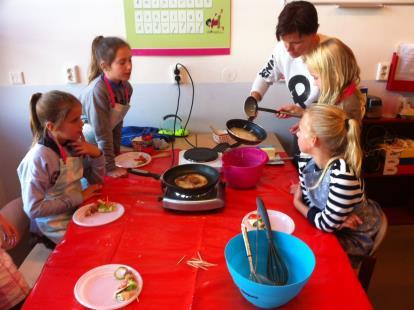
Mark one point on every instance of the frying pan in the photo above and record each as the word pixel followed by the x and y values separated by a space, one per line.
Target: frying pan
pixel 251 107
pixel 251 127
pixel 169 176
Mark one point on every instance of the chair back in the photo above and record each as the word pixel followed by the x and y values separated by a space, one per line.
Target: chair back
pixel 14 215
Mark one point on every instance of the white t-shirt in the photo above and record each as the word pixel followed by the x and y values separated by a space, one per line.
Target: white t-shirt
pixel 295 72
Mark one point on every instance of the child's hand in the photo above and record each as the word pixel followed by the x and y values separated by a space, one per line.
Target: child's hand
pixel 290 108
pixel 297 196
pixel 293 188
pixel 8 235
pixel 352 222
pixel 118 173
pixel 294 129
pixel 92 191
pixel 82 147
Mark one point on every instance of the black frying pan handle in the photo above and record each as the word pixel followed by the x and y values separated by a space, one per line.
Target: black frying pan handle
pixel 144 173
pixel 221 147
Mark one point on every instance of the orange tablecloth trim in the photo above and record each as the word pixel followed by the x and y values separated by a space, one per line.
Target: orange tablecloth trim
pixel 152 240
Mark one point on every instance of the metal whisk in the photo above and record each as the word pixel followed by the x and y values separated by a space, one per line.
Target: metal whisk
pixel 276 268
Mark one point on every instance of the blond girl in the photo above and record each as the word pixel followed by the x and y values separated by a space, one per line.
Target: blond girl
pixel 336 73
pixel 330 184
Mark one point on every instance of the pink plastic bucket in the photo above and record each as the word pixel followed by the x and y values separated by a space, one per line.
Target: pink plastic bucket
pixel 243 167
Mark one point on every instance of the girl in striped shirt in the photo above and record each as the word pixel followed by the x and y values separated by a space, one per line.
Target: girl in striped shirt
pixel 330 185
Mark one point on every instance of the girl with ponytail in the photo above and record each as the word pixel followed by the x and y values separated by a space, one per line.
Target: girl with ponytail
pixel 50 174
pixel 106 99
pixel 331 192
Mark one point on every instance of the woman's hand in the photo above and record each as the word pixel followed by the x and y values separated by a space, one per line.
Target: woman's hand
pixel 351 222
pixel 289 108
pixel 81 147
pixel 118 173
pixel 91 191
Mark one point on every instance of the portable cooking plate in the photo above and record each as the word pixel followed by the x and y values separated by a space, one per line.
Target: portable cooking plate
pixel 212 157
pixel 207 197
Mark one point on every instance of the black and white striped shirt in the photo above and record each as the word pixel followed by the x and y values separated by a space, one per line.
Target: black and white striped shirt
pixel 346 191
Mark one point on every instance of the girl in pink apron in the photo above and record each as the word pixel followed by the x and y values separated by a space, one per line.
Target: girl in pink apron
pixel 331 189
pixel 50 174
pixel 106 99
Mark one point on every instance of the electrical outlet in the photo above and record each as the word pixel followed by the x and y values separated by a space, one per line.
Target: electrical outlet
pixel 383 69
pixel 16 78
pixel 177 74
pixel 71 74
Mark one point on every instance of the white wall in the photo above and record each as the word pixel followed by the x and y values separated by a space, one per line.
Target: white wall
pixel 41 37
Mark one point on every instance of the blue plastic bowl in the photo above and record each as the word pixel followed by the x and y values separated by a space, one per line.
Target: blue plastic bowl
pixel 298 257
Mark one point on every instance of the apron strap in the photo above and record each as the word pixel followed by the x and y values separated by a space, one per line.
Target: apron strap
pixel 111 92
pixel 62 151
pixel 348 91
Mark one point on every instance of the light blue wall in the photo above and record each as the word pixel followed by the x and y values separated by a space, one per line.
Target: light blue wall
pixel 214 104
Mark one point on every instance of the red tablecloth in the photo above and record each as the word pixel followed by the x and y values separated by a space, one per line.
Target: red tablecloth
pixel 152 240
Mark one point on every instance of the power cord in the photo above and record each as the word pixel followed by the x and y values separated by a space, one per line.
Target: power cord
pixel 177 78
pixel 192 96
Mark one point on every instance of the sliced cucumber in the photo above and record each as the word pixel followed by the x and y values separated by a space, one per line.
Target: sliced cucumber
pixel 120 273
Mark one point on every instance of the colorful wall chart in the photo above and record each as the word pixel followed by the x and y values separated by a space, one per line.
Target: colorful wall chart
pixel 178 27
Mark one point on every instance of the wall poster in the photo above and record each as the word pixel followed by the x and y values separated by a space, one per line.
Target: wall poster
pixel 178 27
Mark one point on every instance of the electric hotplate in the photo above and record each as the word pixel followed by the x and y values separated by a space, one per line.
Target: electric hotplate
pixel 212 161
pixel 210 200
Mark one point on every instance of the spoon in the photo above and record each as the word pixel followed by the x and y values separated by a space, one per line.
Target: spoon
pixel 251 107
pixel 254 276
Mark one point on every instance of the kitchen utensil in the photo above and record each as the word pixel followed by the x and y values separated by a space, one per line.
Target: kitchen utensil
pixel 279 221
pixel 243 166
pixel 96 288
pixel 132 159
pixel 298 256
pixel 220 135
pixel 279 160
pixel 97 219
pixel 161 155
pixel 276 267
pixel 251 107
pixel 169 176
pixel 256 277
pixel 251 127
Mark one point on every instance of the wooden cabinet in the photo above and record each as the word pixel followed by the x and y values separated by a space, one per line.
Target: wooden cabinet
pixel 395 193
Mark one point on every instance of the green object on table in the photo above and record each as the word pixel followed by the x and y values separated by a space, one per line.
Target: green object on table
pixel 178 132
pixel 172 126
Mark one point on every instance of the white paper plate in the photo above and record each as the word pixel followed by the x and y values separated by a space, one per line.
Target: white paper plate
pixel 98 218
pixel 96 288
pixel 278 221
pixel 129 159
